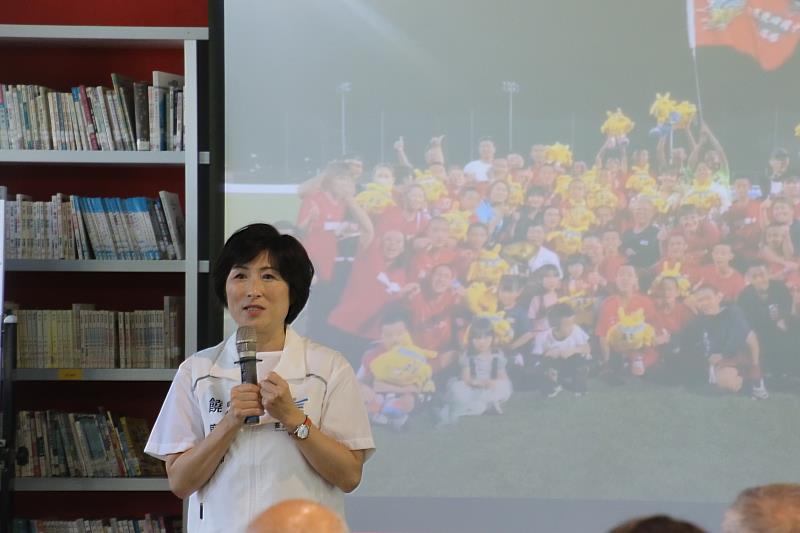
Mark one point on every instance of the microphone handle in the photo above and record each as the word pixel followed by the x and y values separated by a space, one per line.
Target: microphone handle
pixel 247 365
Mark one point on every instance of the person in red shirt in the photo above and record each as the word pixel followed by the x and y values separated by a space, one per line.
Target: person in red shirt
pixel 701 234
pixel 628 298
pixel 379 277
pixel 744 221
pixel 410 217
pixel 612 258
pixel 477 237
pixel 721 275
pixel 777 251
pixel 676 252
pixel 435 247
pixel 672 315
pixel 324 221
pixel 432 315
pixel 791 189
pixel 322 218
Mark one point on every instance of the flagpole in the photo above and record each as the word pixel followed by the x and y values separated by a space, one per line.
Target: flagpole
pixel 691 29
pixel 697 85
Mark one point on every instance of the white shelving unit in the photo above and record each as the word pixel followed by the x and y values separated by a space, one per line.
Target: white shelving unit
pixel 111 37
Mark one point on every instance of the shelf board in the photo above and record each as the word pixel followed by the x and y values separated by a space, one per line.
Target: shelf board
pixel 203 266
pixel 139 36
pixel 94 374
pixel 92 157
pixel 81 484
pixel 94 265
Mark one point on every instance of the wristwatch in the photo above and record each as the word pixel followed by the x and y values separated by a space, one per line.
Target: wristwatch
pixel 301 431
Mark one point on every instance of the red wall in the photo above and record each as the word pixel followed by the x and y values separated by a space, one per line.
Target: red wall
pixel 106 12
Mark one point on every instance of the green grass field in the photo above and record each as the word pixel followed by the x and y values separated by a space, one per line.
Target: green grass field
pixel 636 442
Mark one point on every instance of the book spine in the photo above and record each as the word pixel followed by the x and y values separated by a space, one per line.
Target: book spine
pixel 88 117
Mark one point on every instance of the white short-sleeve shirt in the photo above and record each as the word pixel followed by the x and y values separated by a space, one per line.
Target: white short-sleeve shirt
pixel 263 464
pixel 479 169
pixel 546 341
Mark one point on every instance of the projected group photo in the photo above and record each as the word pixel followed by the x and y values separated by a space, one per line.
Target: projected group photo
pixel 563 261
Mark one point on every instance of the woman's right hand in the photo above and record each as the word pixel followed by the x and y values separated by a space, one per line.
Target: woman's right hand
pixel 245 401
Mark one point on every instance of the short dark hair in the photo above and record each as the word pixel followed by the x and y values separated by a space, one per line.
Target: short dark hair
pixel 395 313
pixel 657 524
pixel 285 252
pixel 559 312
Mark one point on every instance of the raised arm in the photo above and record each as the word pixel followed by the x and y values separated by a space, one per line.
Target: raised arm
pixel 400 152
pixel 718 147
pixel 435 152
pixel 366 228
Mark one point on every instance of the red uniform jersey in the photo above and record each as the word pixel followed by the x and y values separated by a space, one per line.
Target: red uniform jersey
pixel 320 240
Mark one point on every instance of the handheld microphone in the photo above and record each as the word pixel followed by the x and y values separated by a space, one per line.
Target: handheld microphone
pixel 246 342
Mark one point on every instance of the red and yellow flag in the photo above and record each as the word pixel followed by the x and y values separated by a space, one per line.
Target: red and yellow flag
pixel 767 30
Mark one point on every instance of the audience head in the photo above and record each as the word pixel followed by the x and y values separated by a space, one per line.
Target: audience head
pixel 297 516
pixel 766 509
pixel 486 149
pixel 708 299
pixel 656 524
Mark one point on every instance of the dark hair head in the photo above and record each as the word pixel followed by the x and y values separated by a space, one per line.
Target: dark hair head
pixel 657 524
pixel 779 154
pixel 394 314
pixel 558 312
pixel 286 255
pixel 479 328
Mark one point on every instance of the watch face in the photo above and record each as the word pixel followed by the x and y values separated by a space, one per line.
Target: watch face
pixel 302 431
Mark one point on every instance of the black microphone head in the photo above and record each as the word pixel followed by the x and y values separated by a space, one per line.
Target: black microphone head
pixel 246 339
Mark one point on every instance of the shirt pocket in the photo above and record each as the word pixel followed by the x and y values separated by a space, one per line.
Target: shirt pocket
pixel 213 395
pixel 308 395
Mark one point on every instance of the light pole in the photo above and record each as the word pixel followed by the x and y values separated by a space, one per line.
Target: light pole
pixel 510 88
pixel 344 88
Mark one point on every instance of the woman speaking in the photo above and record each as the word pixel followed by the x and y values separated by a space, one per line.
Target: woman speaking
pixel 312 434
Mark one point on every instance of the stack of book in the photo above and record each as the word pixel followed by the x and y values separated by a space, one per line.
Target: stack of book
pixel 149 524
pixel 57 444
pixel 133 115
pixel 78 227
pixel 84 337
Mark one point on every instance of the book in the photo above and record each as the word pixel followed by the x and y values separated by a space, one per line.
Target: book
pixel 141 111
pixel 175 221
pixel 123 87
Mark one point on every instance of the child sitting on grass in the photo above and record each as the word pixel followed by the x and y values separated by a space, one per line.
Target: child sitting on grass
pixel 484 383
pixel 564 352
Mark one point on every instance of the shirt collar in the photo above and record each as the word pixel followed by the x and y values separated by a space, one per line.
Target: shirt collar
pixel 292 364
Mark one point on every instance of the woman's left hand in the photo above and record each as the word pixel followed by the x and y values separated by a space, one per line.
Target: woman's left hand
pixel 278 401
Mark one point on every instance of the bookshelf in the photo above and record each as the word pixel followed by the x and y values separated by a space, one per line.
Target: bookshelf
pixel 95 52
pixel 90 485
pixel 95 265
pixel 93 374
